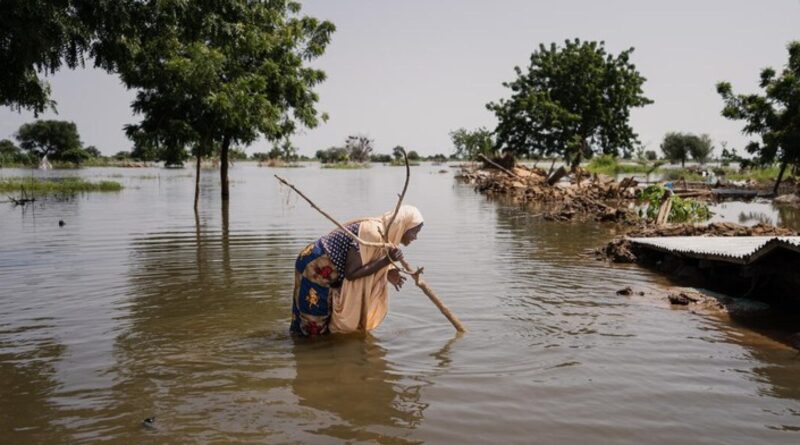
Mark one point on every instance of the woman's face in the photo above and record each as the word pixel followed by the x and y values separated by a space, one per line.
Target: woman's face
pixel 411 234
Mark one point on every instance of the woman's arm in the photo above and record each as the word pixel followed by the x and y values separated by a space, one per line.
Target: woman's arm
pixel 355 270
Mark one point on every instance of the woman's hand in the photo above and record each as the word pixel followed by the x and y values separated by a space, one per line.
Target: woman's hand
pixel 395 254
pixel 395 278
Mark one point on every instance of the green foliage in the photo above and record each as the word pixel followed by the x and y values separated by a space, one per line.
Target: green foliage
pixel 571 101
pixel 57 185
pixel 397 152
pixel 610 165
pixel 346 165
pixel 677 147
pixel 11 155
pixel 438 158
pixel 469 144
pixel 58 140
pixel 359 148
pixel 381 158
pixel 38 37
pixel 413 156
pixel 283 151
pixel 333 155
pixel 238 154
pixel 773 116
pixel 682 210
pixel 217 74
pixel 650 155
pixel 93 152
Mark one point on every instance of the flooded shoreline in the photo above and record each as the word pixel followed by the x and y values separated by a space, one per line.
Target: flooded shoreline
pixel 133 310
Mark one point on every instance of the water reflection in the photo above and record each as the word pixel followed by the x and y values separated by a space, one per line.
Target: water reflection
pixel 29 384
pixel 350 381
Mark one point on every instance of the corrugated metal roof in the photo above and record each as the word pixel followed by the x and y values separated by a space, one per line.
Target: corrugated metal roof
pixel 737 249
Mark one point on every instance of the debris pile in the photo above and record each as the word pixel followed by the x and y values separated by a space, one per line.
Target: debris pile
pixel 586 196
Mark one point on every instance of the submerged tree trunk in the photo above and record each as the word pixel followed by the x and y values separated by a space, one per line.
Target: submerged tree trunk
pixel 223 167
pixel 780 178
pixel 197 182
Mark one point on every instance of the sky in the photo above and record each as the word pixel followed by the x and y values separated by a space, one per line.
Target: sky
pixel 407 73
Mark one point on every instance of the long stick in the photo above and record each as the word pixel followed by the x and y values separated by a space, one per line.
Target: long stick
pixel 331 219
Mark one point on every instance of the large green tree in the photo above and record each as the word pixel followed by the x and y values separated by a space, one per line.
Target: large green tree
pixel 773 116
pixel 58 140
pixel 220 72
pixel 572 101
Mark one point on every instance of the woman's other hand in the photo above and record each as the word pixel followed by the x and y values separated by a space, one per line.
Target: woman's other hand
pixel 395 254
pixel 395 278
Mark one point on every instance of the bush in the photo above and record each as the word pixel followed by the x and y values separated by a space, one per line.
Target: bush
pixel 683 209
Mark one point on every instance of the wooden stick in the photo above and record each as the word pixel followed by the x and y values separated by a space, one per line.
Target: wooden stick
pixel 495 164
pixel 408 268
pixel 330 218
pixel 434 298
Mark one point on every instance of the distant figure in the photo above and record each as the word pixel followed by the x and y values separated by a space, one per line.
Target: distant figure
pixel 341 286
pixel 44 164
pixel 61 223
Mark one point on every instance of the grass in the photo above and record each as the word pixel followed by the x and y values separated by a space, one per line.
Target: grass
pixel 611 166
pixel 346 165
pixel 767 174
pixel 401 163
pixel 57 185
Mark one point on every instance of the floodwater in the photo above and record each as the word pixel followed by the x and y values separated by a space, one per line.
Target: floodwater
pixel 135 309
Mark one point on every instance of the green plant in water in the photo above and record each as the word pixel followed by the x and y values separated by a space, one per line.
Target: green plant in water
pixel 57 185
pixel 683 209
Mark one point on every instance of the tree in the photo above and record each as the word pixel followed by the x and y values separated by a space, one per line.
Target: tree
pixel 11 154
pixel 93 152
pixel 572 101
pixel 332 155
pixel 650 155
pixel 58 140
pixel 413 156
pixel 358 148
pixel 221 73
pixel 774 116
pixel 397 152
pixel 701 148
pixel 8 148
pixel 38 37
pixel 470 144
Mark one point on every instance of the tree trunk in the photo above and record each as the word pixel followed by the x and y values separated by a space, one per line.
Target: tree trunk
pixel 576 162
pixel 223 167
pixel 683 162
pixel 197 182
pixel 780 178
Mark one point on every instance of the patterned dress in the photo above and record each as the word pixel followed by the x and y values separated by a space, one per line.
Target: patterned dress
pixel 319 272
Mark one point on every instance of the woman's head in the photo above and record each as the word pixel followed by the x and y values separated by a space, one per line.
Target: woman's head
pixel 406 225
pixel 411 235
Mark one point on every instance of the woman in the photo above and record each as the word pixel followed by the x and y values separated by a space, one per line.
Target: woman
pixel 340 286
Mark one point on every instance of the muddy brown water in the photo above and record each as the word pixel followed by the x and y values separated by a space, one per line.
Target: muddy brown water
pixel 135 309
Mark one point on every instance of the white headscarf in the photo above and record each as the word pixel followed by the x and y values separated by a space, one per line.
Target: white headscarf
pixel 363 303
